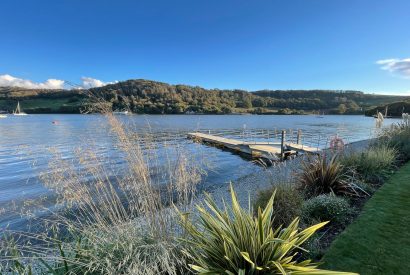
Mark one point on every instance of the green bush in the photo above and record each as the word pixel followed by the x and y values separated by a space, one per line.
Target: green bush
pixel 232 241
pixel 316 246
pixel 372 165
pixel 322 176
pixel 399 138
pixel 286 206
pixel 327 208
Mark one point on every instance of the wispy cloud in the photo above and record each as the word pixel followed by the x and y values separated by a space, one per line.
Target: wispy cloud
pixel 86 83
pixel 396 66
pixel 8 80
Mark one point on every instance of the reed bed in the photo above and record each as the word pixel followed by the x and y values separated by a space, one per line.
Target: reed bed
pixel 107 221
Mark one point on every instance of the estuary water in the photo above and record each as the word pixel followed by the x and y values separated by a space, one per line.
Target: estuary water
pixel 26 143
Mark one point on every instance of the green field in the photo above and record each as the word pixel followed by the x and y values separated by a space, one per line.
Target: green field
pixel 378 242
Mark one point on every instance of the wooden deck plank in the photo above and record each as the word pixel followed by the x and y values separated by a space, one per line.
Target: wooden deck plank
pixel 261 143
pixel 212 138
pixel 301 147
pixel 268 150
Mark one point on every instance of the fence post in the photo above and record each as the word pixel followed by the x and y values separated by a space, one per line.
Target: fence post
pixel 282 145
pixel 299 137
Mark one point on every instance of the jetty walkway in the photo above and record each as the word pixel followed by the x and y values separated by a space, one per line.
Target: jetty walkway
pixel 273 151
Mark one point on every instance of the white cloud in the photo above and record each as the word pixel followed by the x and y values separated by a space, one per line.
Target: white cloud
pixel 86 83
pixel 8 80
pixel 89 82
pixel 396 66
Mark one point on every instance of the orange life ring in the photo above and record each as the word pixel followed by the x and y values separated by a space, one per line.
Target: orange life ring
pixel 337 143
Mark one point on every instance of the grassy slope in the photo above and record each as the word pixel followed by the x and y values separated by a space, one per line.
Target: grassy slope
pixel 26 104
pixel 378 242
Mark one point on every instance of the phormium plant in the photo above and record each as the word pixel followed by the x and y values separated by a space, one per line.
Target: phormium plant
pixel 232 241
pixel 323 176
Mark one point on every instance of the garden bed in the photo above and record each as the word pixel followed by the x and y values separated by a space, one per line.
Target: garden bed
pixel 378 242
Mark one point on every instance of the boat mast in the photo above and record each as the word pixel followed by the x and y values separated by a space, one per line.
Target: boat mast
pixel 17 111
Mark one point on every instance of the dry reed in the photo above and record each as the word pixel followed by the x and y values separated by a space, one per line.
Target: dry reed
pixel 106 221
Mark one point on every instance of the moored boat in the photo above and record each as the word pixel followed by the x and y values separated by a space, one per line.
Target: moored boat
pixel 121 113
pixel 18 111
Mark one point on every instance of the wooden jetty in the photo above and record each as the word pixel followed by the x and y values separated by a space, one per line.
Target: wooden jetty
pixel 258 149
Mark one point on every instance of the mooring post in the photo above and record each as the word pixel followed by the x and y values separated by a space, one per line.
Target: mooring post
pixel 299 137
pixel 282 145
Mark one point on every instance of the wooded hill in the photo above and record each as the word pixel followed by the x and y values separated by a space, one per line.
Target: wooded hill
pixel 395 109
pixel 152 97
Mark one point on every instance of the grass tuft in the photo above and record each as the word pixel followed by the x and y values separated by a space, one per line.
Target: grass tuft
pixel 323 176
pixel 286 206
pixel 373 165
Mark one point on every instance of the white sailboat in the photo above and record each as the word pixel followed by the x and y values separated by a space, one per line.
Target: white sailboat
pixel 18 111
pixel 320 115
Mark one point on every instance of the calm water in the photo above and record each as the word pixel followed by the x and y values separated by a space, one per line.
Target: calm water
pixel 25 144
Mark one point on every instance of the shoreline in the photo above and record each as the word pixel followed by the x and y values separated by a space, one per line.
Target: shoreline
pixel 248 186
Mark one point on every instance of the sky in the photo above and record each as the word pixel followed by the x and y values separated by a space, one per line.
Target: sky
pixel 252 45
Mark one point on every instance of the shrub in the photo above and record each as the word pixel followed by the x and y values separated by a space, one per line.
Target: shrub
pixel 316 246
pixel 286 206
pixel 398 137
pixel 320 176
pixel 327 207
pixel 372 165
pixel 232 241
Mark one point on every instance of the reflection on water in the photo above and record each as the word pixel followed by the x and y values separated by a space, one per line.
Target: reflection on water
pixel 25 144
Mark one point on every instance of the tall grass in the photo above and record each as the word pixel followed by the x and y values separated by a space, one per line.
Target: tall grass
pixel 372 165
pixel 286 206
pixel 398 137
pixel 113 223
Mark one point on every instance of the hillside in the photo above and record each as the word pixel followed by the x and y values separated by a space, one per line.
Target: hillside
pixel 35 101
pixel 152 97
pixel 395 109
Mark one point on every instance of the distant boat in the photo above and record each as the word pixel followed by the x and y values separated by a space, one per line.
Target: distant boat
pixel 320 115
pixel 3 116
pixel 18 111
pixel 121 113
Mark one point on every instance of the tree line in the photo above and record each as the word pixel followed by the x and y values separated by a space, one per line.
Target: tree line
pixel 152 97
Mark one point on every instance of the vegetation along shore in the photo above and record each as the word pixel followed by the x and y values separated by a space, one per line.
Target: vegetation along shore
pixel 126 225
pixel 205 137
pixel 152 97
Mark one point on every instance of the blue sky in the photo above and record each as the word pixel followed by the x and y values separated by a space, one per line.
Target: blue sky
pixel 304 44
